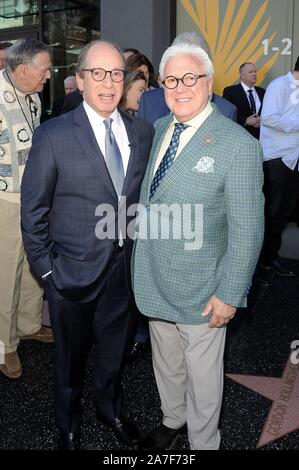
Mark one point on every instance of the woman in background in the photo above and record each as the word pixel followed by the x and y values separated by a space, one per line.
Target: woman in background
pixel 142 63
pixel 134 86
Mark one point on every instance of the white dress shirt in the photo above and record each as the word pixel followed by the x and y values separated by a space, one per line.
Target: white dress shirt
pixel 118 128
pixel 280 121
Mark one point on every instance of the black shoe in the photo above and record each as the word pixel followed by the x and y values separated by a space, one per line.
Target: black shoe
pixel 68 441
pixel 123 429
pixel 162 438
pixel 278 268
pixel 261 282
pixel 134 351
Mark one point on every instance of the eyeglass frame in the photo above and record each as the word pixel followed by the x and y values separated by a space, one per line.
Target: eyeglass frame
pixel 106 71
pixel 196 76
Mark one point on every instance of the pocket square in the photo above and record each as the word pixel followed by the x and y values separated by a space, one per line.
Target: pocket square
pixel 204 165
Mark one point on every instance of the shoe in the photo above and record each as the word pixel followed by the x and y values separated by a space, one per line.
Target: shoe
pixel 12 366
pixel 68 441
pixel 134 352
pixel 262 282
pixel 278 268
pixel 162 438
pixel 44 335
pixel 123 429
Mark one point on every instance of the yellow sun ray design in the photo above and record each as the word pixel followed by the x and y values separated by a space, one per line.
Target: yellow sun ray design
pixel 229 47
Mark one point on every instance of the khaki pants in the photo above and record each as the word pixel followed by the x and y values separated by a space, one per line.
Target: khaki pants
pixel 21 296
pixel 188 366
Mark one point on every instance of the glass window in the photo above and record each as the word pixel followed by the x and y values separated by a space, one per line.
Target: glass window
pixel 18 13
pixel 67 27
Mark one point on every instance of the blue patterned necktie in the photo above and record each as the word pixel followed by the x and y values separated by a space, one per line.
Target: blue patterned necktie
pixel 168 158
pixel 252 102
pixel 113 158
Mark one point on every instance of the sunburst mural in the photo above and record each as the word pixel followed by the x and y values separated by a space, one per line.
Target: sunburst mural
pixel 231 42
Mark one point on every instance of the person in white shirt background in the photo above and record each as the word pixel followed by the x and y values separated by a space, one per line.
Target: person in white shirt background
pixel 280 142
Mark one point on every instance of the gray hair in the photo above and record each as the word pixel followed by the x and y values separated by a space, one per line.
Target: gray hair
pixel 192 38
pixel 24 51
pixel 190 49
pixel 70 78
pixel 81 64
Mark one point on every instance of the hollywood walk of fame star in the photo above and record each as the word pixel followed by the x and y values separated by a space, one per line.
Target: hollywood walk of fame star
pixel 283 416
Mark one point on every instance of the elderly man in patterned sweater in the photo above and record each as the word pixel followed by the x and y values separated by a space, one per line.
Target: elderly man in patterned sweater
pixel 27 70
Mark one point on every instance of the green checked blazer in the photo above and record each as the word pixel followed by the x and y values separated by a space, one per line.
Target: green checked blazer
pixel 221 169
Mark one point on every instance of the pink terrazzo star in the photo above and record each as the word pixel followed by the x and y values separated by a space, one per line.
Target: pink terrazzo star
pixel 283 416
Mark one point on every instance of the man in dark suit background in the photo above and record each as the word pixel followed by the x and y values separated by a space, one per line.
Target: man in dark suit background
pixel 72 101
pixel 81 164
pixel 70 85
pixel 247 98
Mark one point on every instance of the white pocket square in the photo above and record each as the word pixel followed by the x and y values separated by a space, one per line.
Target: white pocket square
pixel 204 165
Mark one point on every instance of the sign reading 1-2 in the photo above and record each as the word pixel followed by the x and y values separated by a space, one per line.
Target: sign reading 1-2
pixel 286 50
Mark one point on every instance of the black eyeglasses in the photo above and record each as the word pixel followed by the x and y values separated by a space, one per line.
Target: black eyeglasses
pixel 189 79
pixel 117 75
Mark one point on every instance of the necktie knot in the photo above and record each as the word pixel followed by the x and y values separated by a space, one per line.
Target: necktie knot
pixel 108 123
pixel 179 127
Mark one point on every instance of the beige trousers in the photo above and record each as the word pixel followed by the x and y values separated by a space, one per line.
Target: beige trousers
pixel 188 367
pixel 21 296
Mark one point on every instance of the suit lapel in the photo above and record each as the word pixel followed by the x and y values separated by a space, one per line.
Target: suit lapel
pixel 85 137
pixel 134 150
pixel 159 136
pixel 261 96
pixel 243 98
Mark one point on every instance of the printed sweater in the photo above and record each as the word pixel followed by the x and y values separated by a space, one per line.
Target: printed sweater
pixel 15 133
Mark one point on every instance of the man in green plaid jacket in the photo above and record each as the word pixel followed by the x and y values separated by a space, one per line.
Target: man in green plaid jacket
pixel 201 224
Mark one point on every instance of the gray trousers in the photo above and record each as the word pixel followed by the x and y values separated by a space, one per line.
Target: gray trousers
pixel 188 367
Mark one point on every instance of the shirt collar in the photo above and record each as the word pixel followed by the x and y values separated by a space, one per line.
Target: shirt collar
pixel 198 120
pixel 96 117
pixel 246 87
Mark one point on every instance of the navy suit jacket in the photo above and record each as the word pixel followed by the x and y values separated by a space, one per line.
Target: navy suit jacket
pixel 65 180
pixel 236 95
pixel 71 101
pixel 153 106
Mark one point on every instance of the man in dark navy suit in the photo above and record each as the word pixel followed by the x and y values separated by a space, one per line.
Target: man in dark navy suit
pixel 248 99
pixel 83 164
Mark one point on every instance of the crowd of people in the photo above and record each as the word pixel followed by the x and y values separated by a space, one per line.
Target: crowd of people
pixel 122 145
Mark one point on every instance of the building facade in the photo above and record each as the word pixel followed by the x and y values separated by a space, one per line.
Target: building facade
pixel 262 31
